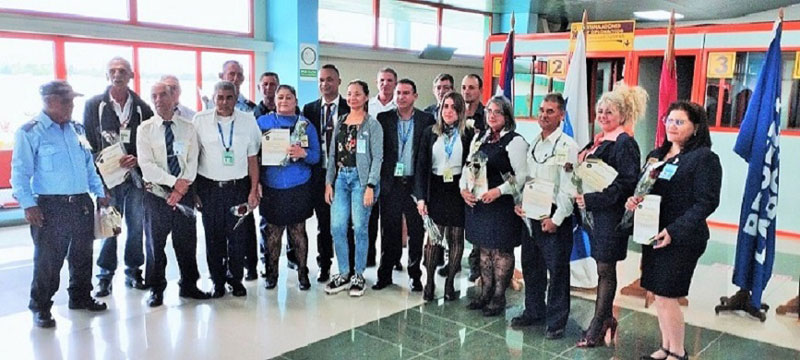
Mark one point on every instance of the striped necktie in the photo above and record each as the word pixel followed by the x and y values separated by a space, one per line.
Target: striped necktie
pixel 172 159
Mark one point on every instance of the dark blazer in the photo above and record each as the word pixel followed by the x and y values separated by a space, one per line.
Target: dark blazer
pixel 140 112
pixel 424 165
pixel 690 196
pixel 388 120
pixel 432 109
pixel 479 118
pixel 313 112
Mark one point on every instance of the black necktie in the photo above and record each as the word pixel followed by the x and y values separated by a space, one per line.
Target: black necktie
pixel 172 159
pixel 328 124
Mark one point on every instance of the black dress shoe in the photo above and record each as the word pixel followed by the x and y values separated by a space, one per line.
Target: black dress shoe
pixel 218 292
pixel 103 288
pixel 381 284
pixel 524 321
pixel 415 285
pixel 238 289
pixel 156 299
pixel 270 283
pixel 324 275
pixel 43 319
pixel 135 282
pixel 398 267
pixel 477 304
pixel 88 304
pixel 251 275
pixel 193 293
pixel 553 334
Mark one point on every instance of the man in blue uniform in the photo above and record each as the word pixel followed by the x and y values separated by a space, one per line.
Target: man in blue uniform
pixel 52 172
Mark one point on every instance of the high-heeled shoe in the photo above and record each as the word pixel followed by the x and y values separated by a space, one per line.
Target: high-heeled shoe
pixel 590 340
pixel 650 357
pixel 674 355
pixel 450 291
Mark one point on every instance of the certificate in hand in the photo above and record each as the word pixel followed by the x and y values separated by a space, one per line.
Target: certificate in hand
pixel 595 174
pixel 108 164
pixel 273 146
pixel 537 199
pixel 645 220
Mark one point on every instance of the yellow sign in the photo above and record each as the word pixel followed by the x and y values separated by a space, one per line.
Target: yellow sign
pixel 605 35
pixel 721 65
pixel 796 72
pixel 497 66
pixel 557 67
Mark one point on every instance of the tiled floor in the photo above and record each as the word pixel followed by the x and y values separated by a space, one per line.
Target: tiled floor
pixel 390 324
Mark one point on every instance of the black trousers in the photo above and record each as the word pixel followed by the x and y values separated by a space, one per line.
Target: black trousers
pixel 224 245
pixel 394 204
pixel 547 252
pixel 159 221
pixel 67 233
pixel 251 244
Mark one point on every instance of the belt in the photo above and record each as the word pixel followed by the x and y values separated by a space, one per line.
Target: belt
pixel 226 183
pixel 405 180
pixel 70 199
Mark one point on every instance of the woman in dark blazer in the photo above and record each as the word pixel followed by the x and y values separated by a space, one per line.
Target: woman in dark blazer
pixel 490 221
pixel 689 186
pixel 442 154
pixel 616 113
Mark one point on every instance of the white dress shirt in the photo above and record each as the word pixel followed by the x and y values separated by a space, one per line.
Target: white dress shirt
pixel 152 149
pixel 549 160
pixel 374 107
pixel 440 159
pixel 246 142
pixel 123 111
pixel 185 111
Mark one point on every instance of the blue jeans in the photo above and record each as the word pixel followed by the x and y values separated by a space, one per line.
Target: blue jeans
pixel 348 200
pixel 129 201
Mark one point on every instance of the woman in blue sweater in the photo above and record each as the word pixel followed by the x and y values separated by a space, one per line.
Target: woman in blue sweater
pixel 287 201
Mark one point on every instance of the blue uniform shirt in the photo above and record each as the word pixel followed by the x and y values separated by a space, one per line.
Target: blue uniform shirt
pixel 296 172
pixel 49 159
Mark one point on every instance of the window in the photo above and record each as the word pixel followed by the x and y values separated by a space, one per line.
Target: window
pixel 24 66
pixel 212 66
pixel 461 30
pixel 106 9
pixel 406 25
pixel 346 21
pixel 153 63
pixel 87 74
pixel 727 99
pixel 229 16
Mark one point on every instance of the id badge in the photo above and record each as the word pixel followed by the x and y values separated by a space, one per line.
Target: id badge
pixel 227 158
pixel 178 148
pixel 361 146
pixel 448 175
pixel 125 136
pixel 668 171
pixel 304 141
pixel 399 169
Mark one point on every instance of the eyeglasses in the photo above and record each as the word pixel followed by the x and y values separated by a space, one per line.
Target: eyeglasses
pixel 677 122
pixel 494 112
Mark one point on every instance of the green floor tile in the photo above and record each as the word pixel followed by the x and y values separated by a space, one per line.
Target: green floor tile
pixel 415 330
pixel 734 347
pixel 638 334
pixel 456 312
pixel 353 344
pixel 481 345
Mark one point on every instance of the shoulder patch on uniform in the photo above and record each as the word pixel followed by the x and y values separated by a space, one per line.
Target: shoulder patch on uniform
pixel 29 125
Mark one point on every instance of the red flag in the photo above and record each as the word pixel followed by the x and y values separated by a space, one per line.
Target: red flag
pixel 668 85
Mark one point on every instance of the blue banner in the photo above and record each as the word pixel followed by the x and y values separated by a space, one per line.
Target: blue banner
pixel 757 144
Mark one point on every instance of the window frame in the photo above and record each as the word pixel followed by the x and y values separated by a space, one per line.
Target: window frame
pixel 133 19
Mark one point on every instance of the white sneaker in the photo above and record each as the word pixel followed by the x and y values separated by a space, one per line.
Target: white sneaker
pixel 357 285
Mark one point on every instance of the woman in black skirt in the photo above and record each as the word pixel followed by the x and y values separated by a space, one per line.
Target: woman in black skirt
pixel 616 113
pixel 689 186
pixel 490 221
pixel 287 191
pixel 443 151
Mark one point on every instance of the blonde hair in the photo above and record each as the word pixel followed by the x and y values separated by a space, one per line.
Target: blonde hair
pixel 631 101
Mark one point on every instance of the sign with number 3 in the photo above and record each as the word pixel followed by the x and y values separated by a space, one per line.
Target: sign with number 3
pixel 721 65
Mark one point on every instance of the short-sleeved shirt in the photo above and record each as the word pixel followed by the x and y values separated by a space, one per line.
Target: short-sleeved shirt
pixel 245 142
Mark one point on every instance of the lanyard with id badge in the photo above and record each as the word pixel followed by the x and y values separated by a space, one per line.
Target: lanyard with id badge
pixel 400 168
pixel 669 170
pixel 227 155
pixel 447 175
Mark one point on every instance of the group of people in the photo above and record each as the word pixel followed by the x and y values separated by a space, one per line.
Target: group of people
pixel 456 168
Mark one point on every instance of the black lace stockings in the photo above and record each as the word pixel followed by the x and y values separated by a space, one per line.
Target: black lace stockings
pixel 297 232
pixel 497 268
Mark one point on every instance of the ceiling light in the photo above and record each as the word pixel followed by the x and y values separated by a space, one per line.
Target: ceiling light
pixel 655 15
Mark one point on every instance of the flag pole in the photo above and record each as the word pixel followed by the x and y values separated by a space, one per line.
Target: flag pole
pixel 511 34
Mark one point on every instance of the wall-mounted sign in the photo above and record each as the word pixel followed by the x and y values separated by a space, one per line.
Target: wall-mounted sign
pixel 796 72
pixel 721 65
pixel 308 62
pixel 557 67
pixel 605 35
pixel 497 66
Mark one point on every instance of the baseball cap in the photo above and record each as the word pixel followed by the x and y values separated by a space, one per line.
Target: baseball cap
pixel 58 87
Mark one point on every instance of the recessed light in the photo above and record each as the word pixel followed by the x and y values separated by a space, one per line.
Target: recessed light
pixel 656 15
